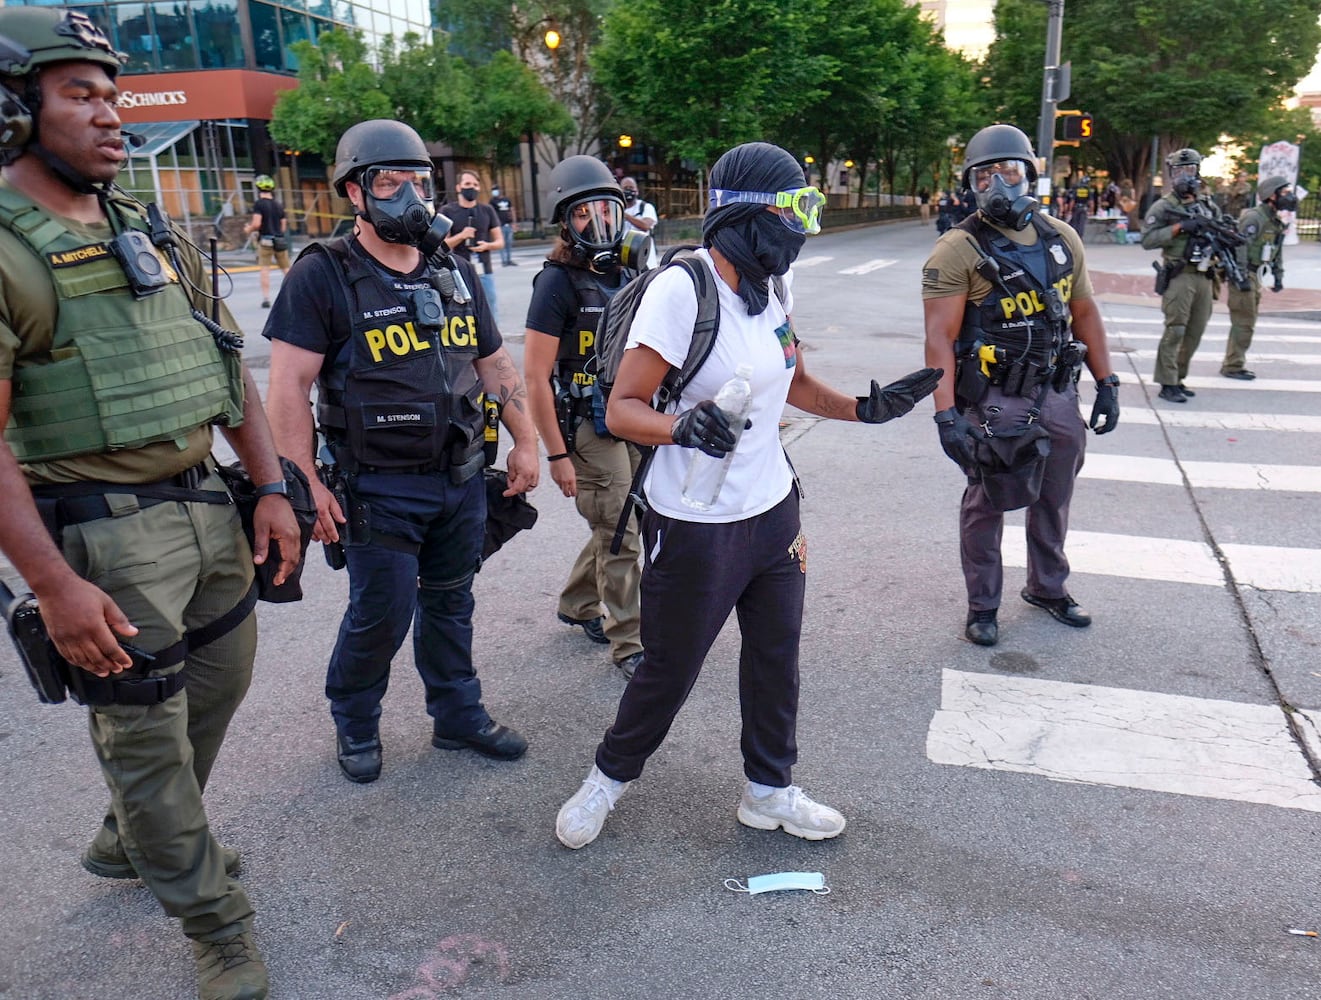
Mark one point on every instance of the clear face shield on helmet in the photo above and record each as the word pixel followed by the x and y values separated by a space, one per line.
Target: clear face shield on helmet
pixel 399 201
pixel 595 227
pixel 1185 179
pixel 799 210
pixel 1001 189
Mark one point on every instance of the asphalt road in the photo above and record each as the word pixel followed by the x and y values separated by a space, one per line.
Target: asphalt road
pixel 1136 817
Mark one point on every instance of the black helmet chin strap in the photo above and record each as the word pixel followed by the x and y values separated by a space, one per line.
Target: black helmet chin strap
pixel 64 171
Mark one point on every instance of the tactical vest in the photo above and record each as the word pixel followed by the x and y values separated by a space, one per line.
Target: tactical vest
pixel 1029 315
pixel 576 354
pixel 123 372
pixel 1177 248
pixel 400 395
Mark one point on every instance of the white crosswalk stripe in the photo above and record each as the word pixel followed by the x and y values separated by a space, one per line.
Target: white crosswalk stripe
pixel 1147 739
pixel 869 266
pixel 811 261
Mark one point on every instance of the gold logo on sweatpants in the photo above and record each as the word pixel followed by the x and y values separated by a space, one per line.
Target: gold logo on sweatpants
pixel 798 550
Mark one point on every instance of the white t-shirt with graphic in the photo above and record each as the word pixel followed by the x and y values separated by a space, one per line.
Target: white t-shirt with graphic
pixel 759 476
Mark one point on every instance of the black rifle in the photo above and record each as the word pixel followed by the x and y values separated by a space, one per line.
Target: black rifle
pixel 1218 241
pixel 47 671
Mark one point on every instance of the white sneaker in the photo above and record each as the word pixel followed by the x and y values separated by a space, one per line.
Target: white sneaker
pixel 580 819
pixel 791 809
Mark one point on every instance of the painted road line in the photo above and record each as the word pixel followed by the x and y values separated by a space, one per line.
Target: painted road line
pixel 1127 739
pixel 1295 358
pixel 1291 422
pixel 1257 385
pixel 1220 339
pixel 1263 322
pixel 1204 475
pixel 868 266
pixel 811 261
pixel 1174 560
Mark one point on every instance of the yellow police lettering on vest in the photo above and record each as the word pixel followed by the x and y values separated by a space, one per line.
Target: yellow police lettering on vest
pixel 582 378
pixel 400 340
pixel 1065 287
pixel 1025 303
pixel 460 331
pixel 78 255
pixel 586 338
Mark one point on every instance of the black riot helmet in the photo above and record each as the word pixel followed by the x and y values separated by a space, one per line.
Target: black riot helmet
pixel 1183 166
pixel 588 204
pixel 999 168
pixel 390 162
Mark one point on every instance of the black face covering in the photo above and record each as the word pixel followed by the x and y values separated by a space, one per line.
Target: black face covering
pixel 754 240
pixel 758 247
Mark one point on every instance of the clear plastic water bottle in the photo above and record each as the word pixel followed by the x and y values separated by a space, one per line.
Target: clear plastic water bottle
pixel 701 486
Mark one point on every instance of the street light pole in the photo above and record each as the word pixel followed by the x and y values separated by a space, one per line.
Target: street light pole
pixel 1050 97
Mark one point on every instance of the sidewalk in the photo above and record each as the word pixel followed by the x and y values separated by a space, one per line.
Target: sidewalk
pixel 1124 274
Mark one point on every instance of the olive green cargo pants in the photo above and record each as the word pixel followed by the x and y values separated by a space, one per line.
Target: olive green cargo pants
pixel 171 568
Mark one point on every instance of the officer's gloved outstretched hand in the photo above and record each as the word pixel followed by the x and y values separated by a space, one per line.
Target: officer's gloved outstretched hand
pixel 898 397
pixel 957 437
pixel 705 427
pixel 1107 406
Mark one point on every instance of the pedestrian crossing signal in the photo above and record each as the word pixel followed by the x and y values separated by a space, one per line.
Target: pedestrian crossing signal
pixel 1077 125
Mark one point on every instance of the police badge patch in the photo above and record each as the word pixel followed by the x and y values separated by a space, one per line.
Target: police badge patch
pixel 1057 252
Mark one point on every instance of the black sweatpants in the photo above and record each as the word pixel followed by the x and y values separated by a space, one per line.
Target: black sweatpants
pixel 693 575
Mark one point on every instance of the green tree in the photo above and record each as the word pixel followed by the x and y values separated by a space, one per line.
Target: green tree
pixel 698 78
pixel 336 89
pixel 1188 72
pixel 513 102
pixel 429 89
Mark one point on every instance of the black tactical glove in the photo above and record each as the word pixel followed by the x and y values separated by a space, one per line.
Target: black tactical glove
pixel 957 437
pixel 899 397
pixel 1279 284
pixel 705 427
pixel 1106 405
pixel 1192 225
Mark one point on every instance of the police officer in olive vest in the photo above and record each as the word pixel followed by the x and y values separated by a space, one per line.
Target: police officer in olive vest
pixel 1262 257
pixel 1186 278
pixel 587 463
pixel 401 345
pixel 1010 318
pixel 110 388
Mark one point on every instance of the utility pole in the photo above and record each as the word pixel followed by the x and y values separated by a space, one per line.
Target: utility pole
pixel 1054 88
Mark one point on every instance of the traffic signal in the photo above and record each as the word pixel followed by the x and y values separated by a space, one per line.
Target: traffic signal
pixel 1077 126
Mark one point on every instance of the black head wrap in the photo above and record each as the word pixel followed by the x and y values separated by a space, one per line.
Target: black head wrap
pixel 754 240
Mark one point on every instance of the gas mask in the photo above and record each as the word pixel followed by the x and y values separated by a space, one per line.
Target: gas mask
pixel 1286 201
pixel 593 228
pixel 1007 204
pixel 400 212
pixel 1186 181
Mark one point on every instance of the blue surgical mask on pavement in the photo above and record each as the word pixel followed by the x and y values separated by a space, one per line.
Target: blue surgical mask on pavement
pixel 811 881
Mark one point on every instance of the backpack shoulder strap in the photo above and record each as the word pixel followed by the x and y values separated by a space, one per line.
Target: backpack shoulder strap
pixel 705 329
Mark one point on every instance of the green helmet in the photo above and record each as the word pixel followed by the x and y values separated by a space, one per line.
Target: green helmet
pixel 1184 158
pixel 264 182
pixel 1270 186
pixel 37 36
pixel 380 140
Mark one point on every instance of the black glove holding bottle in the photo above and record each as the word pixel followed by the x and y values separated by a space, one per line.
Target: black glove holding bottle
pixel 706 428
pixel 957 438
pixel 1106 405
pixel 898 397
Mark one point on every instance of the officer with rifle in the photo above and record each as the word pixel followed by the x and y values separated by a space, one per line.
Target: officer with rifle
pixel 1197 243
pixel 112 380
pixel 1260 256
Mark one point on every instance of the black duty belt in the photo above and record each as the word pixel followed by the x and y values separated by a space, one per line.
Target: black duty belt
pixel 78 503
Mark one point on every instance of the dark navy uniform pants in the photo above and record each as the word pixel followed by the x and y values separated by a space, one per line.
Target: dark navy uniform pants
pixel 982 525
pixel 694 574
pixel 389 590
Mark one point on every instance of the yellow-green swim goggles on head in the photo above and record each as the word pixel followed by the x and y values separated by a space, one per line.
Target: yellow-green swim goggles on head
pixel 800 209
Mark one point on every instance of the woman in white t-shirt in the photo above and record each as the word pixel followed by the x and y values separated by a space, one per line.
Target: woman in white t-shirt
pixel 747 553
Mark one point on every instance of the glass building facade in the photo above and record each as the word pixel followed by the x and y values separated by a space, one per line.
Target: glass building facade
pixel 174 35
